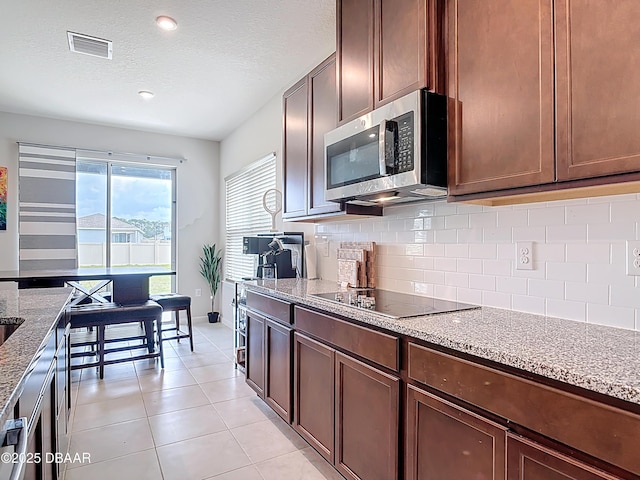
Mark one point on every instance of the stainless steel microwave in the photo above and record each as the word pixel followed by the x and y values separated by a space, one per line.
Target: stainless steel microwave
pixel 394 154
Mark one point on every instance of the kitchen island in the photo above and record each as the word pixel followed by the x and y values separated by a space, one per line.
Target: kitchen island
pixel 33 367
pixel 476 392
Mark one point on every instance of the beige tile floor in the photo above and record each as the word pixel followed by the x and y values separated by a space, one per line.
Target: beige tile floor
pixel 196 419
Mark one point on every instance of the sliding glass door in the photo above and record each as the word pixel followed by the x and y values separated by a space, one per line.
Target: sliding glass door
pixel 126 217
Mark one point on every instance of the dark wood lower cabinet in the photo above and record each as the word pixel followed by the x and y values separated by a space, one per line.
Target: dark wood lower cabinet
pixel 527 460
pixel 444 441
pixel 255 352
pixel 277 385
pixel 366 416
pixel 313 405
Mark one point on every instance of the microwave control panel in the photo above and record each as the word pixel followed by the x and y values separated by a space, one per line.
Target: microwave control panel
pixel 402 159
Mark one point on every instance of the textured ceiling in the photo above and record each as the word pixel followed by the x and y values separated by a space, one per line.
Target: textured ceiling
pixel 225 60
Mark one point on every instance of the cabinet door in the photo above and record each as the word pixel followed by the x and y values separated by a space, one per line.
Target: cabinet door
pixel 598 66
pixel 314 394
pixel 255 352
pixel 354 55
pixel 446 441
pixel 277 389
pixel 501 98
pixel 529 461
pixel 323 117
pixel 294 145
pixel 366 427
pixel 401 58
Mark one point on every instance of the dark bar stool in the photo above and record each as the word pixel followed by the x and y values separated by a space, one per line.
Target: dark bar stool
pixel 100 315
pixel 174 302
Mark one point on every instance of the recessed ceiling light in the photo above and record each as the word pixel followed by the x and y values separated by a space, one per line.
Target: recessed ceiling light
pixel 166 23
pixel 146 94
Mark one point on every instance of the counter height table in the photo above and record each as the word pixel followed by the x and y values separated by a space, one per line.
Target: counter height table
pixel 130 284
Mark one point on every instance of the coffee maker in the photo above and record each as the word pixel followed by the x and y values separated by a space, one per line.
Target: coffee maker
pixel 279 255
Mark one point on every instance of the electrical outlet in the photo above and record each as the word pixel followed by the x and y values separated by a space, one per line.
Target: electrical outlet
pixel 633 257
pixel 198 292
pixel 524 255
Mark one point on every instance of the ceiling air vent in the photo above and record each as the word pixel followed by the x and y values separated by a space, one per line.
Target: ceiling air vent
pixel 97 47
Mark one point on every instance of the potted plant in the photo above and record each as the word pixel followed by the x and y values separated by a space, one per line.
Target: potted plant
pixel 211 270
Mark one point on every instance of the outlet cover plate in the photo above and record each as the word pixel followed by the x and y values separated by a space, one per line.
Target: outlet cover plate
pixel 633 257
pixel 524 255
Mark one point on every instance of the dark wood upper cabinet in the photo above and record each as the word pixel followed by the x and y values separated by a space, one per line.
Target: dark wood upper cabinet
pixel 598 101
pixel 500 87
pixel 355 57
pixel 310 111
pixel 529 461
pixel 323 117
pixel 294 147
pixel 446 441
pixel 386 49
pixel 366 416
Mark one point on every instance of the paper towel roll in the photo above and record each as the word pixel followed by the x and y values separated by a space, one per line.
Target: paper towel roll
pixel 311 260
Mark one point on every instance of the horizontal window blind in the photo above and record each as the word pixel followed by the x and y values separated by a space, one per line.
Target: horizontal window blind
pixel 245 214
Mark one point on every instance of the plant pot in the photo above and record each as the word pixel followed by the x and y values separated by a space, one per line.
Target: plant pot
pixel 213 317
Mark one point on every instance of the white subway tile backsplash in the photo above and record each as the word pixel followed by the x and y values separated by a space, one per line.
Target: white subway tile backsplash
pixel 525 303
pixel 496 267
pixel 497 235
pixel 496 299
pixel 513 218
pixel 467 252
pixel 459 250
pixel 469 265
pixel 625 296
pixel 529 234
pixel 587 292
pixel 591 214
pixel 565 309
pixel 611 232
pixel 482 282
pixel 445 264
pixel 482 220
pixel 546 288
pixel 544 217
pixel 446 236
pixel 454 279
pixel 572 272
pixel 612 316
pixel 488 251
pixel 567 233
pixel 456 221
pixel 511 285
pixel 588 253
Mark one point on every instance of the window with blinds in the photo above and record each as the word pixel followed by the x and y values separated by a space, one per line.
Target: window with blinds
pixel 245 214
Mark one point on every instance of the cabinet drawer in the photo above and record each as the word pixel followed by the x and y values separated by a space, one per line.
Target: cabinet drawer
pixel 272 307
pixel 378 347
pixel 606 432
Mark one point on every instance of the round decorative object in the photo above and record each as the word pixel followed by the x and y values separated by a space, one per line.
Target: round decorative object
pixel 272 203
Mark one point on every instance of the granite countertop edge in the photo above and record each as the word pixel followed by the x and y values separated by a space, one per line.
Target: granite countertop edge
pixel 571 352
pixel 38 310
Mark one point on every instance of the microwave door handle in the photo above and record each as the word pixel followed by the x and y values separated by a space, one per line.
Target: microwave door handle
pixel 382 150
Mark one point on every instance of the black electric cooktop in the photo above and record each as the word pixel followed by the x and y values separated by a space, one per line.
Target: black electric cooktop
pixel 393 304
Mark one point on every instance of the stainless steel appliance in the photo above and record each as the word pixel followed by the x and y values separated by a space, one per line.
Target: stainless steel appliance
pixel 394 154
pixel 394 304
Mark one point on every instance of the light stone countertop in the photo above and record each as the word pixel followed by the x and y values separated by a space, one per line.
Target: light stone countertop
pixel 598 358
pixel 38 309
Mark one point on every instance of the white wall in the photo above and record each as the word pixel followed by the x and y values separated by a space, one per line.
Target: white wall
pixel 198 183
pixel 467 253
